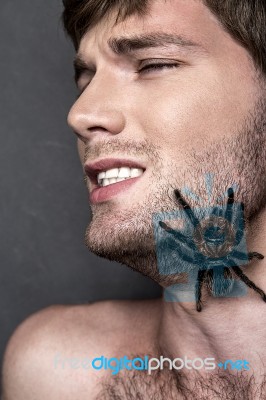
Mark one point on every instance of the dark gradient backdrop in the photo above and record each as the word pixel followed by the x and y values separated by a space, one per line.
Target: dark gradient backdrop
pixel 44 209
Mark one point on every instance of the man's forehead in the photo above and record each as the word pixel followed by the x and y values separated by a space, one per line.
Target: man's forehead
pixel 189 19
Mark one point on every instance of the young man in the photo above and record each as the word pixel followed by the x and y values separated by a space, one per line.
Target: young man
pixel 171 92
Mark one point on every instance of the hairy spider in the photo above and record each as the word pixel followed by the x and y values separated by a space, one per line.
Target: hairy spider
pixel 213 246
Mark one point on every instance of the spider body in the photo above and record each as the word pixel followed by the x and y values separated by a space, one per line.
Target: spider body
pixel 214 247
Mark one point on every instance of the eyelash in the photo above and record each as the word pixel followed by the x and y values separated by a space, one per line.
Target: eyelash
pixel 158 66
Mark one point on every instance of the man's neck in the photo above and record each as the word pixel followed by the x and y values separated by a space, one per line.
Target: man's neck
pixel 226 328
pixel 231 328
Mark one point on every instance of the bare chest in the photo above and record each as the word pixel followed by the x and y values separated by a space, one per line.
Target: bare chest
pixel 137 385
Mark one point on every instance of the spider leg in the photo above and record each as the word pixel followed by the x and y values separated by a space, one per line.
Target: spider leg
pixel 244 257
pixel 254 254
pixel 240 255
pixel 181 254
pixel 238 271
pixel 186 208
pixel 198 288
pixel 230 201
pixel 227 272
pixel 177 235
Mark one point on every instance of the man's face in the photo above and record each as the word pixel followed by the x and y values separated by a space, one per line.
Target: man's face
pixel 181 101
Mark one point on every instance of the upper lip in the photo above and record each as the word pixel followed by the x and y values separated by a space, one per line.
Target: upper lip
pixel 94 168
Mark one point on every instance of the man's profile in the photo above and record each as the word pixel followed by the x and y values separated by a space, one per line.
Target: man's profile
pixel 170 91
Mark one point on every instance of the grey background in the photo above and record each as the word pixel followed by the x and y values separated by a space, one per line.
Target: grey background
pixel 43 202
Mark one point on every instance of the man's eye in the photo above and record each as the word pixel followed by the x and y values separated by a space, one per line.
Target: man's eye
pixel 158 66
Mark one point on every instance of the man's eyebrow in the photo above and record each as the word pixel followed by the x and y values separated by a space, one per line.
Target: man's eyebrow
pixel 126 45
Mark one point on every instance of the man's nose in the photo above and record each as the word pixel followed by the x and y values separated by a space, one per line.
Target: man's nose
pixel 98 111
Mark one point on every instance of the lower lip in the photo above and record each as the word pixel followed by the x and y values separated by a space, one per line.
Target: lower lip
pixel 101 194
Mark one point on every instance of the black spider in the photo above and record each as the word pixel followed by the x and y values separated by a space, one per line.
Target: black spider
pixel 223 250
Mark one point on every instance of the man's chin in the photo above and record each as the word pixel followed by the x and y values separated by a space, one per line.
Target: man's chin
pixel 140 257
pixel 118 244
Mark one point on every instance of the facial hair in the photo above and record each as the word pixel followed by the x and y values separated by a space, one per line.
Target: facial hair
pixel 127 236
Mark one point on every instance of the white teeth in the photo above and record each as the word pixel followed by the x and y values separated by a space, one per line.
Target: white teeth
pixel 112 173
pixel 117 175
pixel 135 172
pixel 124 172
pixel 101 175
pixel 105 182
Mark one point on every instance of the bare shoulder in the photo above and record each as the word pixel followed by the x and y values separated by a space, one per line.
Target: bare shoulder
pixel 48 355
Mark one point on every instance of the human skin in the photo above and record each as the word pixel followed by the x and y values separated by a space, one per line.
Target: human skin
pixel 199 121
pixel 196 123
pixel 198 108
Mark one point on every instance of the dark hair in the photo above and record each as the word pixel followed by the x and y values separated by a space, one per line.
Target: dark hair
pixel 245 20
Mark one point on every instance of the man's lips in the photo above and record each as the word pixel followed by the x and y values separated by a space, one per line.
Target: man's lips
pixel 100 194
pixel 93 169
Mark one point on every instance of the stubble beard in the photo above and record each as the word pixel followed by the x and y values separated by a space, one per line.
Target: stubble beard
pixel 127 236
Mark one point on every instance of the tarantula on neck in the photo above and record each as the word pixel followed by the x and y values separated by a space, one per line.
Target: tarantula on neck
pixel 214 245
